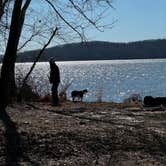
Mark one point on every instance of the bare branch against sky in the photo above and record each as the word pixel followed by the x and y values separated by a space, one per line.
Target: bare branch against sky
pixel 74 20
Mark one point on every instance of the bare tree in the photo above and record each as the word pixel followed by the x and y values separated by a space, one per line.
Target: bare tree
pixel 7 80
pixel 2 7
pixel 28 25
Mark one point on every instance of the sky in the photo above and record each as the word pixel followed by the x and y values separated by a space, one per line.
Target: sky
pixel 136 20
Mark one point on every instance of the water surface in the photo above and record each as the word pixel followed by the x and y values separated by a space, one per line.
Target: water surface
pixel 113 80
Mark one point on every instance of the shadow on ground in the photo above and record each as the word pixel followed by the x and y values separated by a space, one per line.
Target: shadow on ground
pixel 12 139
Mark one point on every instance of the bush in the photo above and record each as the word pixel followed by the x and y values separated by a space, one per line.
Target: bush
pixel 28 91
pixel 46 98
pixel 63 90
pixel 99 94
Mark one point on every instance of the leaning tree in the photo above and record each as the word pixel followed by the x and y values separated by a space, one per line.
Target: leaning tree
pixel 31 24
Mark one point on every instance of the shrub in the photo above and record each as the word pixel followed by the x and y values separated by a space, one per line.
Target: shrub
pixel 99 94
pixel 28 92
pixel 63 90
pixel 46 98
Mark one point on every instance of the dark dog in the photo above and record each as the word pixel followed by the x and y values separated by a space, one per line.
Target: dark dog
pixel 78 94
pixel 154 101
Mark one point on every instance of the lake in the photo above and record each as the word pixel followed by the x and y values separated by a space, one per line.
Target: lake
pixel 113 80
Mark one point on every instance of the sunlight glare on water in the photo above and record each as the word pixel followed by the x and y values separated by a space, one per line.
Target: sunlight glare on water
pixel 117 79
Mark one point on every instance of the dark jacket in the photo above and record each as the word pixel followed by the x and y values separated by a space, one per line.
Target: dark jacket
pixel 54 74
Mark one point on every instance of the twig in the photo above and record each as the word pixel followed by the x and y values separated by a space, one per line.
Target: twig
pixel 38 57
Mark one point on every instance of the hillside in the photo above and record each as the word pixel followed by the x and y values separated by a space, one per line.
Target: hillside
pixel 98 50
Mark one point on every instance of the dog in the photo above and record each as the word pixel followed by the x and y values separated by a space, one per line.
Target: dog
pixel 78 94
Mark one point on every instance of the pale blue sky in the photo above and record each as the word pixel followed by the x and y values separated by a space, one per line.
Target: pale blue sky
pixel 137 20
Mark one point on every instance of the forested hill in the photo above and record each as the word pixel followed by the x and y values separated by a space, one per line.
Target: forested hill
pixel 98 50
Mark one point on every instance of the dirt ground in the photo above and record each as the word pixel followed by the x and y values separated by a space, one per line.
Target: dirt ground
pixel 82 134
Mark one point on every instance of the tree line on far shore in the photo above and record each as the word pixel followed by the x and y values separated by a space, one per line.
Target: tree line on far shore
pixel 99 50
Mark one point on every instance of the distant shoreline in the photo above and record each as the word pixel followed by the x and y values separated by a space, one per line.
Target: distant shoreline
pixel 99 50
pixel 94 61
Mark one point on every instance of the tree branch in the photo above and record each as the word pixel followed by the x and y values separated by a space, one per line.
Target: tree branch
pixel 83 14
pixel 38 57
pixel 28 40
pixel 64 20
pixel 24 8
pixel 2 6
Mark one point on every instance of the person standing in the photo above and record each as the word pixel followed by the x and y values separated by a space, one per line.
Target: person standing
pixel 54 80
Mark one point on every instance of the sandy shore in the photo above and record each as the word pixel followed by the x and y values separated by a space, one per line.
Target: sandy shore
pixel 79 134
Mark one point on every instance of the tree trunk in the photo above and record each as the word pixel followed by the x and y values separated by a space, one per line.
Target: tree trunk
pixel 7 80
